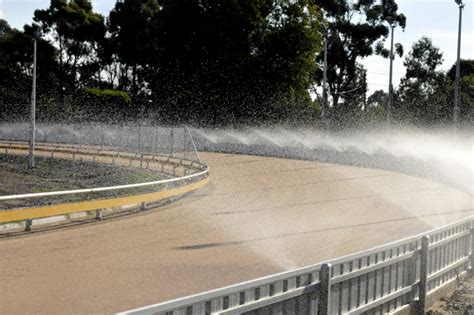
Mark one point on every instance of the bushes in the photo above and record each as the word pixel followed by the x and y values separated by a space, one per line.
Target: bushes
pixel 105 105
pixel 108 93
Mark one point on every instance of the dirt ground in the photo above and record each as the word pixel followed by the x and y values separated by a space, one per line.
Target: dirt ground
pixel 461 302
pixel 60 174
pixel 257 216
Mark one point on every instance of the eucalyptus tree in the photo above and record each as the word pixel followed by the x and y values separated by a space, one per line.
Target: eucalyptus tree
pixel 377 99
pixel 13 72
pixel 76 30
pixel 466 104
pixel 356 30
pixel 235 61
pixel 132 36
pixel 423 89
pixel 16 55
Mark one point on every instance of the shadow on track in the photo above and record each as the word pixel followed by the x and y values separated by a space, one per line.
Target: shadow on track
pixel 231 243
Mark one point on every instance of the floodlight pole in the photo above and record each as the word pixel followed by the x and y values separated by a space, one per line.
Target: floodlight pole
pixel 390 85
pixel 31 155
pixel 325 66
pixel 458 69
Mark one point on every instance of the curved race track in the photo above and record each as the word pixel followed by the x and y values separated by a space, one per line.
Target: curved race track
pixel 257 216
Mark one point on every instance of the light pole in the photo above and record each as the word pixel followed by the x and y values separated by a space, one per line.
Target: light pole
pixel 390 85
pixel 325 66
pixel 31 155
pixel 458 67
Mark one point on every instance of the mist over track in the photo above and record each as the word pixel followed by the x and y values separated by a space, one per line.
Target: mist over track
pixel 258 215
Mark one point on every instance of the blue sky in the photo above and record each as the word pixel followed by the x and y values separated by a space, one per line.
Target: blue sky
pixel 437 19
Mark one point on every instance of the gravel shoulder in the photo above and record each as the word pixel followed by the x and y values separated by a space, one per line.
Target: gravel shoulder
pixel 461 302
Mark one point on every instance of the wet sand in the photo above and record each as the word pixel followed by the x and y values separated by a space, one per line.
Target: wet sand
pixel 256 217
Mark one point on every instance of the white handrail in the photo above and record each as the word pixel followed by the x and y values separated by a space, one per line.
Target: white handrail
pixel 99 189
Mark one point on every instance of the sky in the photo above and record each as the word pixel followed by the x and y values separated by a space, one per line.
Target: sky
pixel 436 19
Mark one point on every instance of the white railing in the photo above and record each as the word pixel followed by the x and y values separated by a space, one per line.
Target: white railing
pixel 381 280
pixel 193 172
pixel 108 188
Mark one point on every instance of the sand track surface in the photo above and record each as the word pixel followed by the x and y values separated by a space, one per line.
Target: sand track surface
pixel 257 216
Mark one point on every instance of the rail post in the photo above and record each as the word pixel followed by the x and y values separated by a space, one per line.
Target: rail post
pixel 422 286
pixel 101 136
pixel 171 141
pixel 28 225
pixel 98 214
pixel 140 135
pixel 185 142
pixel 155 140
pixel 120 135
pixel 325 289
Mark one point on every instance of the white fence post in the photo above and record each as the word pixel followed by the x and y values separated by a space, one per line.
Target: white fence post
pixel 422 286
pixel 324 289
pixel 411 276
pixel 472 248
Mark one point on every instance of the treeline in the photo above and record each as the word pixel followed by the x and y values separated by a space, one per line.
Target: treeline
pixel 217 62
pixel 425 96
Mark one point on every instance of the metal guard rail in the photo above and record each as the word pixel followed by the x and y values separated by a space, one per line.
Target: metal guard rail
pixel 15 215
pixel 392 278
pixel 94 151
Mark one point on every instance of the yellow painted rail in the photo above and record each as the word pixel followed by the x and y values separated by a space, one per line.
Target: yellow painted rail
pixel 74 207
pixel 16 215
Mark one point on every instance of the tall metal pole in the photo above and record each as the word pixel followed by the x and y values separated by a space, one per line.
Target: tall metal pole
pixel 390 85
pixel 325 66
pixel 365 91
pixel 31 155
pixel 458 69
